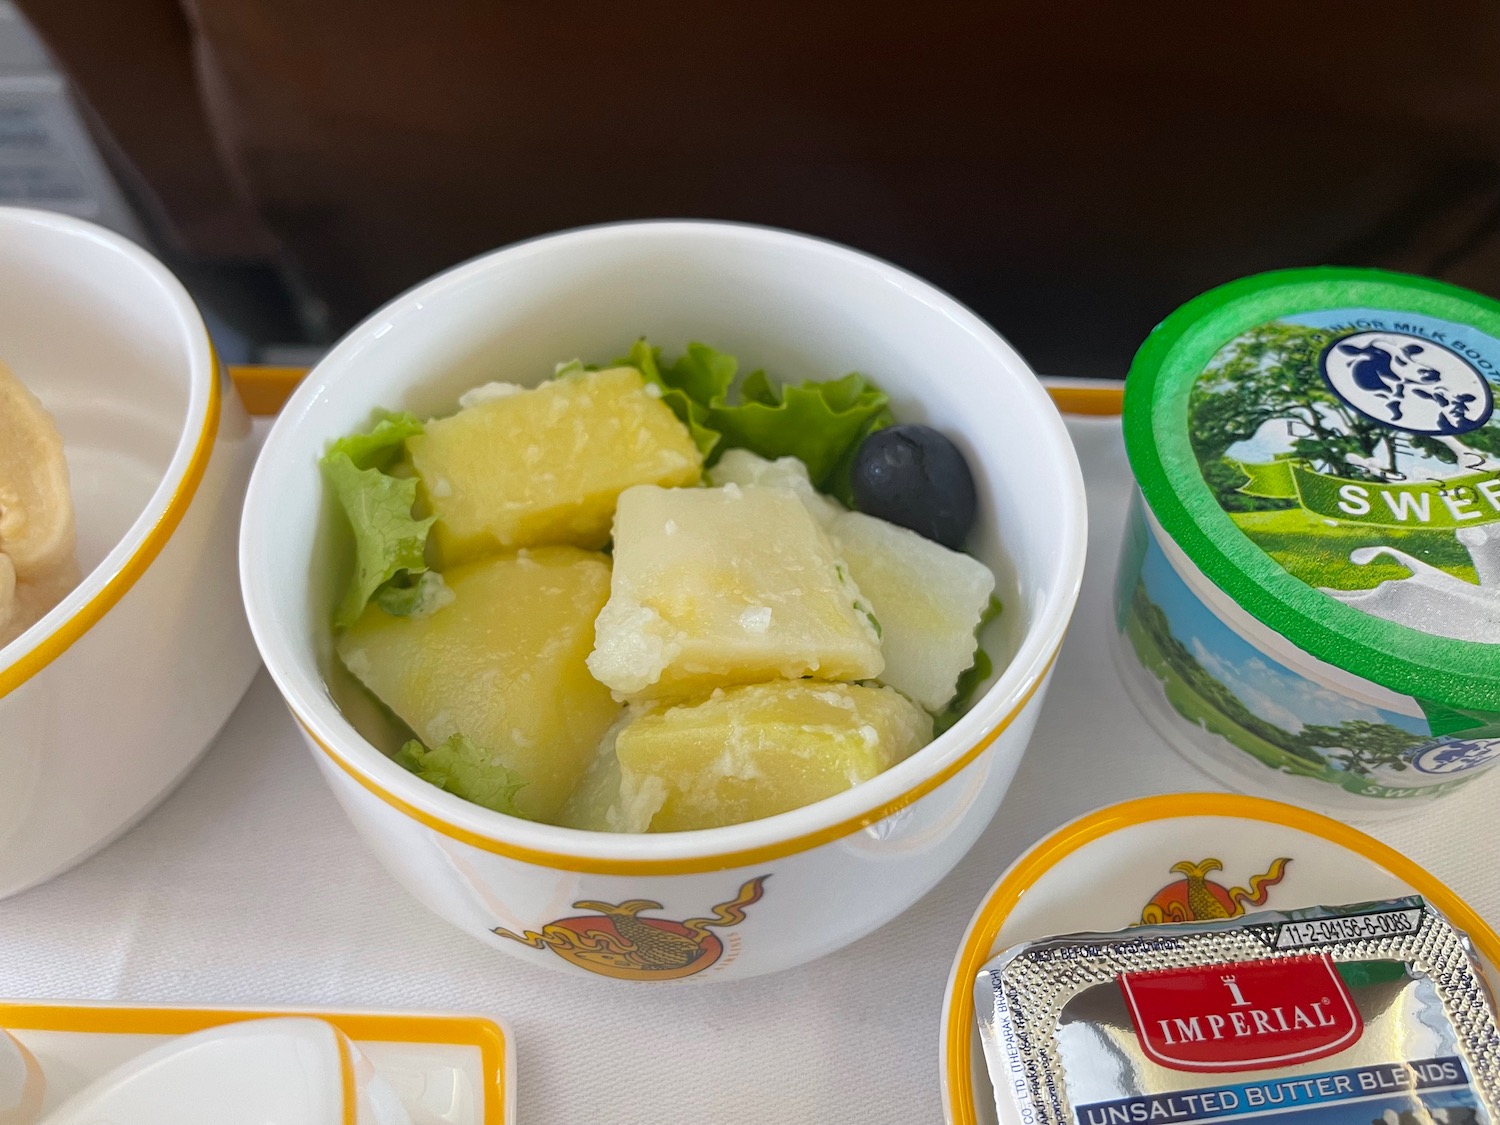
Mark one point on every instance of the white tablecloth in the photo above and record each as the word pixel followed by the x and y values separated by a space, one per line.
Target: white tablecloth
pixel 247 886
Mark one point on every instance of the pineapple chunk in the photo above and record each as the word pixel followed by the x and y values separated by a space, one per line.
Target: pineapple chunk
pixel 717 586
pixel 740 466
pixel 501 664
pixel 757 750
pixel 590 804
pixel 927 599
pixel 546 465
pixel 595 804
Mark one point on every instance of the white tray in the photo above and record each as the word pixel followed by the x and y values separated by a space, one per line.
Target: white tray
pixel 248 888
pixel 446 1069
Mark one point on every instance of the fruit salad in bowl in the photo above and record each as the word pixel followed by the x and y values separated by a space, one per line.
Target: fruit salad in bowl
pixel 618 602
pixel 643 645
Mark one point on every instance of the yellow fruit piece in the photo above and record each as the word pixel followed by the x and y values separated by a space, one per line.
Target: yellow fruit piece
pixel 741 467
pixel 718 586
pixel 595 804
pixel 927 599
pixel 589 805
pixel 38 566
pixel 547 465
pixel 757 750
pixel 501 664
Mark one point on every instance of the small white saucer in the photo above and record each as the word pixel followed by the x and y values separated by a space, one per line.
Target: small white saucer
pixel 1157 859
pixel 292 1070
pixel 84 1064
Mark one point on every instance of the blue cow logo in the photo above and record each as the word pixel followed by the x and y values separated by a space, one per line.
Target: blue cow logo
pixel 1408 383
pixel 1457 755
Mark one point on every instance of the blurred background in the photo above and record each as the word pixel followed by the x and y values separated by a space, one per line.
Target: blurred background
pixel 1071 171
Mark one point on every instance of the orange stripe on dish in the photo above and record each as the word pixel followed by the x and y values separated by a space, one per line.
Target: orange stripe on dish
pixel 1086 399
pixel 57 642
pixel 460 1031
pixel 603 865
pixel 265 389
pixel 346 1079
pixel 976 950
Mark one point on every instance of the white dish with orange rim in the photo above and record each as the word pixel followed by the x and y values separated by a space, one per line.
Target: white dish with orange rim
pixel 724 903
pixel 79 1064
pixel 1170 859
pixel 96 723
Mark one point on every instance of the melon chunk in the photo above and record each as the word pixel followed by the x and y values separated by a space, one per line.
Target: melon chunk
pixel 740 466
pixel 717 586
pixel 927 599
pixel 502 664
pixel 757 750
pixel 546 465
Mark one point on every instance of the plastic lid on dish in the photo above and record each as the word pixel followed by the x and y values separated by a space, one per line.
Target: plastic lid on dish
pixel 1324 445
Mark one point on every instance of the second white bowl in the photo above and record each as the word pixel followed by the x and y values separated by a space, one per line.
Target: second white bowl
pixel 108 700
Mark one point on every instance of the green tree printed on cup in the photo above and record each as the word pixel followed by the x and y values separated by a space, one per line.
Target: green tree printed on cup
pixel 1271 374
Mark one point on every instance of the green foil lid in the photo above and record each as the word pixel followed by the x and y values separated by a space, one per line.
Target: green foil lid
pixel 1324 445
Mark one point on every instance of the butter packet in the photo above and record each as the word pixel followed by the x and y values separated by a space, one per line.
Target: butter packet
pixel 1372 1014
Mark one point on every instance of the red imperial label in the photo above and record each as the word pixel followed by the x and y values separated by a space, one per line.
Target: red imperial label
pixel 1245 1016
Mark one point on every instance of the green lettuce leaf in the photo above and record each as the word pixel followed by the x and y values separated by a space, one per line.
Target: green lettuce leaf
pixel 757 387
pixel 387 540
pixel 970 680
pixel 702 373
pixel 383 445
pixel 466 770
pixel 818 422
pixel 840 482
pixel 403 597
pixel 692 412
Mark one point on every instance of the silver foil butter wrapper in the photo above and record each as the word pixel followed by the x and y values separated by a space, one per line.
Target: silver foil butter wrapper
pixel 1372 1014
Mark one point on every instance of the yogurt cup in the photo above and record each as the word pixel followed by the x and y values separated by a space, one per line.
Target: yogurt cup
pixel 1308 598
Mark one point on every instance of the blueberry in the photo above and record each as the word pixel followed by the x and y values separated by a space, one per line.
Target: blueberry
pixel 913 476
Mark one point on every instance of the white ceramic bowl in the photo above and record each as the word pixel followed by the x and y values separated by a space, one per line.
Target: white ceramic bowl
pixel 772 893
pixel 108 700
